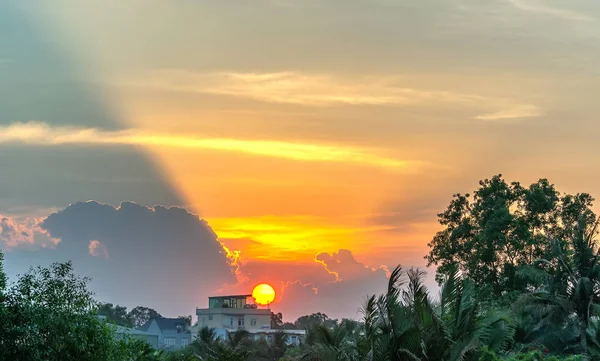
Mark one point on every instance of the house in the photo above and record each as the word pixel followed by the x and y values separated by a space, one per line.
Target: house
pixel 173 333
pixel 228 314
pixel 292 337
pixel 147 337
pixel 132 333
pixel 233 313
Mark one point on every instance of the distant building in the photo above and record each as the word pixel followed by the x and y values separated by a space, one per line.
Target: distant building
pixel 149 338
pixel 228 314
pixel 233 313
pixel 127 333
pixel 173 333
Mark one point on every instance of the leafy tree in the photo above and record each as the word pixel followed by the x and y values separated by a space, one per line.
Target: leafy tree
pixel 271 350
pixel 330 343
pixel 2 277
pixel 208 347
pixel 4 317
pixel 188 319
pixel 115 313
pixel 308 321
pixel 403 324
pixel 51 316
pixel 276 320
pixel 571 287
pixel 501 228
pixel 289 326
pixel 140 315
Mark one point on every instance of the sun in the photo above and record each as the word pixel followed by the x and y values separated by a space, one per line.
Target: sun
pixel 263 294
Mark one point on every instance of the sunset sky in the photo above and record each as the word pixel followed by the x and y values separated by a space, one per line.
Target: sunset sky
pixel 308 144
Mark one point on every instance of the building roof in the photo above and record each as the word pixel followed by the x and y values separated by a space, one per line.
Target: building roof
pixel 233 296
pixel 165 323
pixel 132 331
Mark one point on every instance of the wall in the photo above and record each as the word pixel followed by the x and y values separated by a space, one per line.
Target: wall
pixel 164 336
pixel 222 318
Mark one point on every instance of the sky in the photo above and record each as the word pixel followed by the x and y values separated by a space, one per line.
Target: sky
pixel 175 150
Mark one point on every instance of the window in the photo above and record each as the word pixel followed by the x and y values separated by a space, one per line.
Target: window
pixel 185 342
pixel 231 321
pixel 210 317
pixel 169 341
pixel 179 329
pixel 240 321
pixel 253 322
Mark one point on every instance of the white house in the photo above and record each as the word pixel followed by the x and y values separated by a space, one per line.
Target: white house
pixel 228 314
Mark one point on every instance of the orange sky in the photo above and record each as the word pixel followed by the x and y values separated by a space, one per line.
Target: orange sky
pixel 295 131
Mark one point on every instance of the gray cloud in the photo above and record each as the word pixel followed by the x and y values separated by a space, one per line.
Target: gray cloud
pixel 24 232
pixel 338 299
pixel 166 258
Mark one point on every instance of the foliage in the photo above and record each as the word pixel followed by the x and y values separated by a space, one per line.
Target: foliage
pixel 135 318
pixel 276 320
pixel 187 319
pixel 534 250
pixel 308 321
pixel 572 289
pixel 403 324
pixel 140 315
pixel 50 313
pixel 115 313
pixel 502 227
pixel 535 355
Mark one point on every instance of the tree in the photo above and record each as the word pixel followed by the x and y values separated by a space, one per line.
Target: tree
pixel 140 315
pixel 207 347
pixel 4 317
pixel 289 326
pixel 330 343
pixel 51 316
pixel 188 319
pixel 503 227
pixel 2 278
pixel 276 320
pixel 117 314
pixel 272 350
pixel 403 324
pixel 572 284
pixel 306 322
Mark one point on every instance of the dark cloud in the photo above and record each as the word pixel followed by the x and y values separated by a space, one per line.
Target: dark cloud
pixel 166 258
pixel 171 260
pixel 338 299
pixel 335 284
pixel 23 232
pixel 41 82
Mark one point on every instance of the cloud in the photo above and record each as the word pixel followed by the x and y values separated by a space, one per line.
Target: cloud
pixel 38 133
pixel 167 258
pixel 354 282
pixel 288 237
pixel 304 287
pixel 538 6
pixel 24 232
pixel 97 249
pixel 320 90
pixel 518 112
pixel 171 260
pixel 343 263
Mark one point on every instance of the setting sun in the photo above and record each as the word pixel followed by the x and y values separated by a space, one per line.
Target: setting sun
pixel 263 294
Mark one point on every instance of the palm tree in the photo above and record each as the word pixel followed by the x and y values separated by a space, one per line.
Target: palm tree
pixel 404 325
pixel 336 343
pixel 239 339
pixel 571 287
pixel 208 347
pixel 272 350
